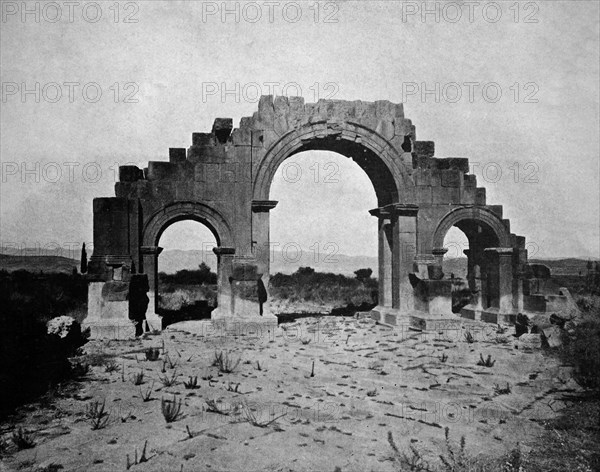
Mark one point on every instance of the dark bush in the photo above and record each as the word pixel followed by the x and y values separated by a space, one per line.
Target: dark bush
pixel 581 345
pixel 31 360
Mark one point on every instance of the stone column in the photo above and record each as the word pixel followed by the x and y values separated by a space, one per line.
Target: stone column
pixel 404 222
pixel 385 257
pixel 150 268
pixel 438 254
pixel 505 275
pixel 261 241
pixel 224 266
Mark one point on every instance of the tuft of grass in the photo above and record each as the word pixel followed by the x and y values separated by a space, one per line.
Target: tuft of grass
pixel 469 337
pixel 231 388
pixel 250 417
pixel 169 381
pixel 111 366
pixel 225 363
pixel 152 354
pixel 97 415
pixel 413 462
pixel 486 362
pixel 443 357
pixel 171 409
pixel 137 461
pixel 147 394
pixel 22 439
pixel 191 383
pixel 138 379
pixel 171 364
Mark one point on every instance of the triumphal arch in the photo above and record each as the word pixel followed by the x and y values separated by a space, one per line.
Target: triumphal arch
pixel 223 181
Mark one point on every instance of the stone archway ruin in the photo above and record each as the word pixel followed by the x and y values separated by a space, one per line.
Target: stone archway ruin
pixel 223 180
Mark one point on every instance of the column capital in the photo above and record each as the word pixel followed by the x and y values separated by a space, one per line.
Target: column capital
pixel 402 209
pixel 261 206
pixel 151 250
pixel 380 213
pixel 501 251
pixel 224 251
pixel 439 251
pixel 395 209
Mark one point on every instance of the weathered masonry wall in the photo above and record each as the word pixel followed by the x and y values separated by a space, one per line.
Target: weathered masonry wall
pixel 223 180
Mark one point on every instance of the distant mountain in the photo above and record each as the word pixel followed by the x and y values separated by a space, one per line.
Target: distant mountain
pixel 170 261
pixel 173 260
pixel 46 264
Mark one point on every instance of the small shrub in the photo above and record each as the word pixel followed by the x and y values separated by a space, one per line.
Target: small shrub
pixel 171 409
pixel 97 415
pixel 231 388
pixel 152 354
pixel 22 439
pixel 191 383
pixel 486 362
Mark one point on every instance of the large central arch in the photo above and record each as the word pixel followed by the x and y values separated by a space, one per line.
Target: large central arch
pixel 371 151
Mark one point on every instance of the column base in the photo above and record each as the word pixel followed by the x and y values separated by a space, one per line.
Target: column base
pixel 111 329
pixel 418 320
pixel 489 315
pixel 153 322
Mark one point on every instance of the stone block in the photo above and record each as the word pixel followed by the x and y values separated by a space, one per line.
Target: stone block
pixel 530 341
pixel 451 178
pixel 244 271
pixel 130 173
pixel 480 196
pixel 177 155
pixel 552 336
pixel 203 139
pixel 424 148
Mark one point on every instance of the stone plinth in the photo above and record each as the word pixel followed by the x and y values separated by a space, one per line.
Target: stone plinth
pixel 108 311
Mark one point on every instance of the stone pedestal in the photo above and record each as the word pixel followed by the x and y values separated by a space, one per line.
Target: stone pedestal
pixel 108 311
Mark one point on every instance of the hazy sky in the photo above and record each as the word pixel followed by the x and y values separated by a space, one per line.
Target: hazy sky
pixel 161 78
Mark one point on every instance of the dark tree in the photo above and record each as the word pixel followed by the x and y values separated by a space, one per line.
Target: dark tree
pixel 83 259
pixel 363 274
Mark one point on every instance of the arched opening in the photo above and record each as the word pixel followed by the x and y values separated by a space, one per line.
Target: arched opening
pixel 187 272
pixel 476 238
pixel 455 267
pixel 322 222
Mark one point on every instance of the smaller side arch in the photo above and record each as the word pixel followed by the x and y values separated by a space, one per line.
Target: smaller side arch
pixel 482 215
pixel 155 225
